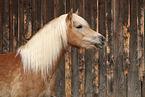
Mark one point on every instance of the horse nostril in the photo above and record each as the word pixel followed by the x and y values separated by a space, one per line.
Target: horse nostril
pixel 103 39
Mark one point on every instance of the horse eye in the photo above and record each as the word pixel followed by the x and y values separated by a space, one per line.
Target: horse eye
pixel 80 26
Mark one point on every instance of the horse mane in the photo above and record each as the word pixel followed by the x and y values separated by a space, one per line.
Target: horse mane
pixel 40 53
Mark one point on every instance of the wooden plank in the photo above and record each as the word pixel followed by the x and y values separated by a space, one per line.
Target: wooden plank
pixel 15 25
pixel 74 62
pixel 50 10
pixel 109 22
pixel 88 57
pixel 37 20
pixel 75 73
pixel 95 60
pixel 118 73
pixel 26 20
pixel 60 73
pixel 140 41
pixel 34 16
pixel 143 87
pixel 11 26
pixel 68 5
pixel 93 14
pixel 6 25
pixel 133 77
pixel 39 14
pixel 143 82
pixel 1 30
pixel 81 56
pixel 21 22
pixel 102 54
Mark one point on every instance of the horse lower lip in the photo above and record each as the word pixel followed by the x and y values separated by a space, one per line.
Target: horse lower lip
pixel 98 46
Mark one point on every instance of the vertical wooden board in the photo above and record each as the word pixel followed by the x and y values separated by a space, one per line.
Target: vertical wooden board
pixel 126 34
pixel 140 40
pixel 11 26
pixel 44 11
pixel 60 73
pixel 37 21
pixel 93 14
pixel 34 16
pixel 74 62
pixel 143 87
pixel 68 62
pixel 109 21
pixel 81 56
pixel 68 5
pixel 89 57
pixel 39 14
pixel 6 26
pixel 75 73
pixel 143 83
pixel 118 73
pixel 15 24
pixel 102 54
pixel 94 51
pixel 26 20
pixel 21 22
pixel 1 6
pixel 133 77
pixel 49 10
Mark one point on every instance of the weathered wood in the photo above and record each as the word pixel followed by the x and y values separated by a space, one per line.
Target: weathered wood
pixel 34 16
pixel 15 25
pixel 94 51
pixel 1 30
pixel 26 20
pixel 11 25
pixel 88 57
pixel 93 14
pixel 118 73
pixel 21 22
pixel 81 55
pixel 75 73
pixel 74 62
pixel 133 77
pixel 6 25
pixel 16 17
pixel 140 41
pixel 60 74
pixel 39 14
pixel 143 87
pixel 109 21
pixel 143 82
pixel 48 10
pixel 102 54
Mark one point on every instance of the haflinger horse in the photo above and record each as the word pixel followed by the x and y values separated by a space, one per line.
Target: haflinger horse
pixel 30 71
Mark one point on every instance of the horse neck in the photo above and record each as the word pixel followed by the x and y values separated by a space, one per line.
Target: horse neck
pixel 45 50
pixel 58 61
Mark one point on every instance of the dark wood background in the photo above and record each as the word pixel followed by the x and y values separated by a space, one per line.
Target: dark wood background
pixel 118 70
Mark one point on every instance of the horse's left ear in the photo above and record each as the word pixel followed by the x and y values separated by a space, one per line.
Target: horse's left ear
pixel 77 12
pixel 69 16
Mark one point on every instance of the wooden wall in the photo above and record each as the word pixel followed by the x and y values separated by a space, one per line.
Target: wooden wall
pixel 118 70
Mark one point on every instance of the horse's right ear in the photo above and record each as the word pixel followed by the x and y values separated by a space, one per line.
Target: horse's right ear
pixel 69 16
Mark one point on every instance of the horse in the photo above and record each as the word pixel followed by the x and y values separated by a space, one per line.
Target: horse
pixel 30 70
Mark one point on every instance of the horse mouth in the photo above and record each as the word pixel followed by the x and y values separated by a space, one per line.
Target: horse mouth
pixel 100 46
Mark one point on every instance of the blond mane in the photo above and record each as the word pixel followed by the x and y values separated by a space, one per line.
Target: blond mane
pixel 40 53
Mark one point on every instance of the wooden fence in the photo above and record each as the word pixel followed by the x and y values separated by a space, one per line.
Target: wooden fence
pixel 115 71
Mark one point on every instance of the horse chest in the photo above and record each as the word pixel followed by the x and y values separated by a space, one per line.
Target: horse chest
pixel 25 85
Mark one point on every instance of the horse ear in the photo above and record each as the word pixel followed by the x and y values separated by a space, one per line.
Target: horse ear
pixel 77 12
pixel 69 16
